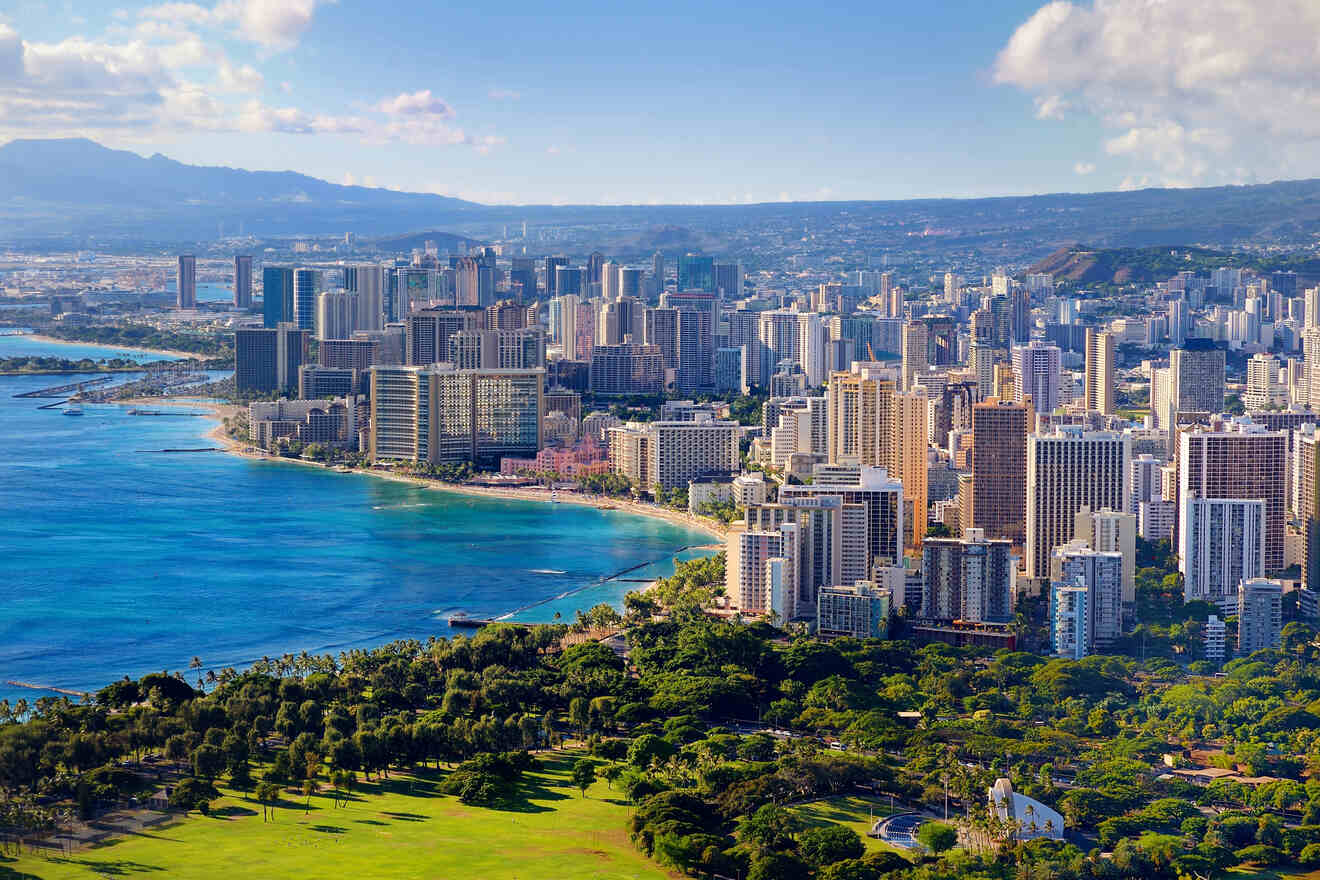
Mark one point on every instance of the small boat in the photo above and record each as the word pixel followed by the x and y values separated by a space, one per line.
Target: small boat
pixel 73 409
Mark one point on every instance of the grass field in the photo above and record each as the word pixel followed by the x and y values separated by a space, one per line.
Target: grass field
pixel 395 829
pixel 851 811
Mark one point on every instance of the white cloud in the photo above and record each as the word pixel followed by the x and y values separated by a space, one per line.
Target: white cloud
pixel 1051 107
pixel 421 103
pixel 1192 92
pixel 1084 168
pixel 274 24
pixel 159 78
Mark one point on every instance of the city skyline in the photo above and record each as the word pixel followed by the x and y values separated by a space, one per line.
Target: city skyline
pixel 946 100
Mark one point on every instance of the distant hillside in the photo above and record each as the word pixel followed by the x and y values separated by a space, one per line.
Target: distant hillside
pixel 446 242
pixel 76 192
pixel 77 185
pixel 1085 266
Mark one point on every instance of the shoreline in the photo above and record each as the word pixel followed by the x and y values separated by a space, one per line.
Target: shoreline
pixel 717 531
pixel 55 340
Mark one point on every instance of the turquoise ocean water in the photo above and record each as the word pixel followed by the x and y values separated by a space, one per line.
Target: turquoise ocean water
pixel 122 559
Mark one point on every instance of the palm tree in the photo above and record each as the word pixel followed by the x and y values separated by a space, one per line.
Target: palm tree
pixel 196 663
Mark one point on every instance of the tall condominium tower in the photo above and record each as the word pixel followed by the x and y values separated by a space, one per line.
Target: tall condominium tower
pixel 268 359
pixel 871 423
pixel 243 282
pixel 1197 377
pixel 277 295
pixel 1237 458
pixel 999 468
pixel 443 415
pixel 1067 470
pixel 696 272
pixel 879 515
pixel 729 280
pixel 336 314
pixel 970 579
pixel 1220 542
pixel 1100 371
pixel 915 353
pixel 306 287
pixel 186 282
pixel 1037 369
pixel 1099 574
pixel 1260 615
pixel 552 266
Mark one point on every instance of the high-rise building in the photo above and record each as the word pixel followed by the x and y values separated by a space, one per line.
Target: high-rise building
pixel 1143 480
pixel 631 284
pixel 552 266
pixel 428 332
pixel 1069 621
pixel 186 282
pixel 1100 574
pixel 277 296
pixel 1221 541
pixel 371 285
pixel 876 528
pixel 698 318
pixel 1237 458
pixel 306 287
pixel 242 282
pixel 759 568
pixel 820 528
pixel 1112 531
pixel 522 279
pixel 915 353
pixel 1100 372
pixel 970 579
pixel 628 368
pixel 570 281
pixel 1215 639
pixel 1264 391
pixel 267 360
pixel 729 280
pixel 1306 472
pixel 522 349
pixel 1197 377
pixel 999 468
pixel 1067 470
pixel 1260 615
pixel 871 423
pixel 595 267
pixel 670 454
pixel 657 275
pixel 442 415
pixel 660 328
pixel 336 314
pixel 1037 368
pixel 860 611
pixel 696 272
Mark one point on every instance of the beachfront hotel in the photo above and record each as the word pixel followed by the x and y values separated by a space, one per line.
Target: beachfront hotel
pixel 442 415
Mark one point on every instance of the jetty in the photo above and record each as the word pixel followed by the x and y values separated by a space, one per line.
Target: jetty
pixel 67 390
pixel 42 687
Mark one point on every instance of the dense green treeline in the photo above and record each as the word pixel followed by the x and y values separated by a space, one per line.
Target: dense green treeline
pixel 675 728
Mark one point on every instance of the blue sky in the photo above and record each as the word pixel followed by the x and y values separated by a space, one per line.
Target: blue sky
pixel 583 102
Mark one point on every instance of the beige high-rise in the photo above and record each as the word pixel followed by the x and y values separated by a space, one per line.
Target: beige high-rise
pixel 873 424
pixel 916 352
pixel 1100 371
pixel 1067 470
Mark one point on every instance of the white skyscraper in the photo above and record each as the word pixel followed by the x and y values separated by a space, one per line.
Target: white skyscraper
pixel 1037 368
pixel 1221 542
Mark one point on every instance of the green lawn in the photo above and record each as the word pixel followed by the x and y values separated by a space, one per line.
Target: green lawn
pixel 399 828
pixel 851 811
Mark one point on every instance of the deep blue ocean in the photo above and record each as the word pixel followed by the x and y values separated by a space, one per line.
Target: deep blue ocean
pixel 120 559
